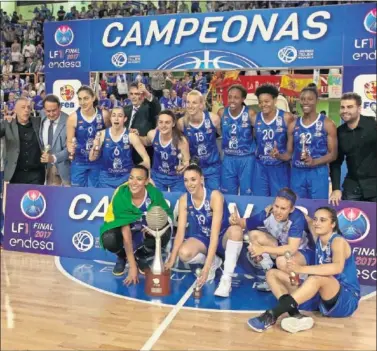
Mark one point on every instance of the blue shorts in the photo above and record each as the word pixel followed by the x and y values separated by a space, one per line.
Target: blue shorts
pixel 237 173
pixel 310 183
pixel 84 174
pixel 168 183
pixel 345 305
pixel 268 180
pixel 309 256
pixel 206 240
pixel 107 181
pixel 212 177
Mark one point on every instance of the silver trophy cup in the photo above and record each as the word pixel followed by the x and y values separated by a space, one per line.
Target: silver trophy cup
pixel 157 225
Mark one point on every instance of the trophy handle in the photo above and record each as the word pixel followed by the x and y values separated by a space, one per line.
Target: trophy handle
pixel 156 233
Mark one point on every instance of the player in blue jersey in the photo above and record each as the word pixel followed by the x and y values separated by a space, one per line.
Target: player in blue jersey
pixel 332 286
pixel 113 148
pixel 273 132
pixel 279 229
pixel 82 127
pixel 171 153
pixel 237 143
pixel 200 128
pixel 209 232
pixel 314 147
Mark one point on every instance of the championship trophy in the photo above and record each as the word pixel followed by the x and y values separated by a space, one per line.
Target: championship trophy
pixel 72 155
pixel 294 278
pixel 180 161
pixel 157 279
pixel 304 151
pixel 47 149
pixel 97 141
pixel 197 293
pixel 256 259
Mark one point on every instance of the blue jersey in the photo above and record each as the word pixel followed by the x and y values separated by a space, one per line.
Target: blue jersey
pixel 294 227
pixel 116 155
pixel 348 278
pixel 269 134
pixel 165 158
pixel 106 103
pixel 237 133
pixel 138 225
pixel 10 105
pixel 315 138
pixel 200 219
pixel 85 134
pixel 202 142
pixel 176 103
pixel 166 103
pixel 38 103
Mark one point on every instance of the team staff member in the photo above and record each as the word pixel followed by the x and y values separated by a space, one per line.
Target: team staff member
pixel 357 143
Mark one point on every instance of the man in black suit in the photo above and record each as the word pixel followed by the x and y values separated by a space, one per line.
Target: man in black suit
pixel 23 146
pixel 141 115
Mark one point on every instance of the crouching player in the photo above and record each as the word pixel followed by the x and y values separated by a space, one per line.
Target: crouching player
pixel 332 285
pixel 209 232
pixel 275 231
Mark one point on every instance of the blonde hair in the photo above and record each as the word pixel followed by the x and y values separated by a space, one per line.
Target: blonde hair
pixel 195 93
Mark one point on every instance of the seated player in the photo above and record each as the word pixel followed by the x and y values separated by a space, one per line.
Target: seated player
pixel 113 148
pixel 332 285
pixel 208 233
pixel 122 231
pixel 278 230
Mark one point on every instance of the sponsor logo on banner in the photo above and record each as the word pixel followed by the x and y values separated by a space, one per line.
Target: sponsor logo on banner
pixel 66 91
pixel 365 85
pixel 119 59
pixel 33 204
pixel 289 54
pixel 208 59
pixel 370 21
pixel 64 35
pixel 83 241
pixel 354 224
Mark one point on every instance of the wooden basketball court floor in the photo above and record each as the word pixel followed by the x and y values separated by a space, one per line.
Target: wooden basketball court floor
pixel 41 309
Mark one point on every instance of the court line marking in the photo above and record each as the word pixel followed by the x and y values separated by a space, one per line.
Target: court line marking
pixel 168 319
pixel 155 303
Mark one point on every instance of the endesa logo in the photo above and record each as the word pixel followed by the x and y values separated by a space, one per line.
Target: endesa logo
pixel 64 35
pixel 33 204
pixel 354 224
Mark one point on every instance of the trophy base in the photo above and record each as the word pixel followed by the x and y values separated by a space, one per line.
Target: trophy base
pixel 157 284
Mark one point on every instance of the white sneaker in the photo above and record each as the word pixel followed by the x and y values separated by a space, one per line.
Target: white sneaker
pixel 297 323
pixel 262 286
pixel 217 262
pixel 224 287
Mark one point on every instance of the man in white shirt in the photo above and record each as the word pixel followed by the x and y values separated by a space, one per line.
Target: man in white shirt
pixel 29 50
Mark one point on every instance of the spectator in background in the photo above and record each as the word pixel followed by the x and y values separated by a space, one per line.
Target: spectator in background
pixel 104 101
pixel 7 68
pixel 37 102
pixel 157 80
pixel 24 149
pixel 357 143
pixel 29 50
pixel 41 84
pixel 61 13
pixel 122 86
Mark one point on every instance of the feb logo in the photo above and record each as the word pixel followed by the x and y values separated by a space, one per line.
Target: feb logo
pixel 354 224
pixel 67 92
pixel 370 90
pixel 33 204
pixel 370 21
pixel 288 54
pixel 64 35
pixel 83 241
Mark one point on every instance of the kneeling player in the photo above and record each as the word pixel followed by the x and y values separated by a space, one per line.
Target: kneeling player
pixel 124 220
pixel 209 232
pixel 274 232
pixel 332 285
